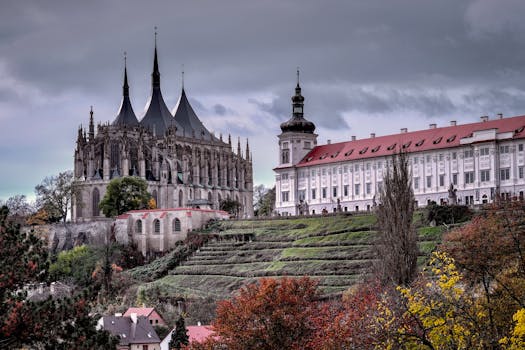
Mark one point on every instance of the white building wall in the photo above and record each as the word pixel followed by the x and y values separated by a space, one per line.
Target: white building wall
pixel 429 167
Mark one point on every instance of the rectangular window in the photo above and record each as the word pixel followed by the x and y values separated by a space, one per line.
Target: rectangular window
pixel 455 179
pixel 520 172
pixel 441 157
pixel 504 174
pixel 323 171
pixel 357 189
pixel 367 166
pixel 324 192
pixel 314 193
pixel 345 190
pixel 415 160
pixel 504 149
pixel 379 165
pixel 468 153
pixel 284 176
pixel 284 196
pixel 313 173
pixel 301 194
pixel 442 180
pixel 484 175
pixel 334 191
pixel 469 177
pixel 307 144
pixel 520 147
pixel 368 188
pixel 285 145
pixel 356 167
pixel 428 158
pixel 379 187
pixel 416 183
pixel 345 168
pixel 429 181
pixel 454 155
pixel 484 151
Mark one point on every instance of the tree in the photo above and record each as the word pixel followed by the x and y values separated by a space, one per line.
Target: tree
pixel 54 195
pixel 75 265
pixel 269 314
pixel 231 206
pixel 124 194
pixel 49 324
pixel 179 337
pixel 396 248
pixel 265 202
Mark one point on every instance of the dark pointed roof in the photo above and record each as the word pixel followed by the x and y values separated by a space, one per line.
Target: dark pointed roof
pixel 157 116
pixel 186 117
pixel 298 123
pixel 126 115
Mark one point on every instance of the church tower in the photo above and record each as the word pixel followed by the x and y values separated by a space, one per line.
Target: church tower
pixel 297 137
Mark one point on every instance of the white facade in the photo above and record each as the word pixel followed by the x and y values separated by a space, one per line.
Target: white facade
pixel 486 161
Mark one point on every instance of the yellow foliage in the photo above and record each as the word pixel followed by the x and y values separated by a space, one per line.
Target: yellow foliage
pixel 152 204
pixel 517 340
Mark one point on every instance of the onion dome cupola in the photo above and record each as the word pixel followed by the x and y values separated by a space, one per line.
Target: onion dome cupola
pixel 298 123
pixel 157 117
pixel 126 115
pixel 188 119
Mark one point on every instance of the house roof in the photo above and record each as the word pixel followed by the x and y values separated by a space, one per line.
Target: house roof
pixel 416 141
pixel 199 333
pixel 140 311
pixel 130 332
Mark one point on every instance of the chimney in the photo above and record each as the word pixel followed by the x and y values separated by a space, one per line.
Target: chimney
pixel 432 126
pixel 328 142
pixel 404 130
pixel 372 135
pixel 500 115
pixel 134 317
pixel 484 118
pixel 453 123
pixel 353 137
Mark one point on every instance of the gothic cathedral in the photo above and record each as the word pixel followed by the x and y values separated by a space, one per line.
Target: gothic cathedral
pixel 183 163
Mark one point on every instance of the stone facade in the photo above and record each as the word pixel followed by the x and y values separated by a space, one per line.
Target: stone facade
pixel 158 230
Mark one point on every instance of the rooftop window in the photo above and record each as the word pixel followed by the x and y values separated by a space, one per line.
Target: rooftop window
pixel 349 153
pixel 438 140
pixel 363 150
pixel 420 143
pixel 451 138
pixel 391 147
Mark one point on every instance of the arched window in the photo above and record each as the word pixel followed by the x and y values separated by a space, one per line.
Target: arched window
pixel 181 199
pixel 176 225
pixel 156 226
pixel 79 204
pixel 95 201
pixel 138 226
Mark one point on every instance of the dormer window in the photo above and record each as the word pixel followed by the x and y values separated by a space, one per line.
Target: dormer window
pixel 391 147
pixel 451 138
pixel 438 140
pixel 363 150
pixel 349 153
pixel 406 145
pixel 420 143
pixel 374 150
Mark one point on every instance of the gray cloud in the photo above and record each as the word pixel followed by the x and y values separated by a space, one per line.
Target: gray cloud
pixel 433 59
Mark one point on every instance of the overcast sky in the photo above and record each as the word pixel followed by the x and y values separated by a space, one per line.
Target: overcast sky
pixel 366 66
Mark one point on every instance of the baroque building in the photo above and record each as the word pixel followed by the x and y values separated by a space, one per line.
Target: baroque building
pixel 467 164
pixel 183 163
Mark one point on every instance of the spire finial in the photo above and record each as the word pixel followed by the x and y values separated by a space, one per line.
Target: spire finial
pixel 91 111
pixel 125 87
pixel 155 36
pixel 297 75
pixel 183 76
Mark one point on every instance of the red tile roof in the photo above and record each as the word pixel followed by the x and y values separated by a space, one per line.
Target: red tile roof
pixel 199 333
pixel 416 141
pixel 140 311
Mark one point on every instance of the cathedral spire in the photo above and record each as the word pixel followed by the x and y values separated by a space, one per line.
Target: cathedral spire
pixel 230 140
pixel 155 75
pixel 247 150
pixel 125 86
pixel 239 146
pixel 91 125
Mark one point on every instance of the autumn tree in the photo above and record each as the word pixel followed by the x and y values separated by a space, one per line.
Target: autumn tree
pixel 231 206
pixel 54 195
pixel 124 194
pixel 49 324
pixel 265 203
pixel 396 247
pixel 269 314
pixel 179 337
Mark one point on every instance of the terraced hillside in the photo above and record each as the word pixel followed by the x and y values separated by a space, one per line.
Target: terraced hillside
pixel 334 249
